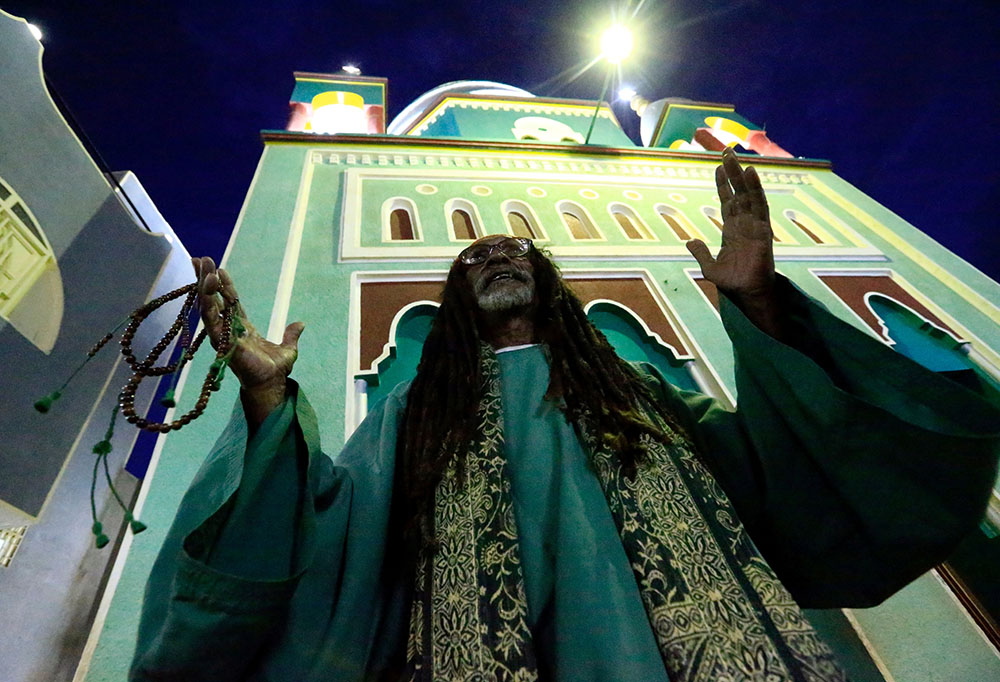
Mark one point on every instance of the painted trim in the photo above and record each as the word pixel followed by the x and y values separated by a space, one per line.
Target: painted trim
pixel 703 372
pixel 988 308
pixel 791 215
pixel 662 207
pixel 886 337
pixel 352 404
pixel 290 261
pixel 627 153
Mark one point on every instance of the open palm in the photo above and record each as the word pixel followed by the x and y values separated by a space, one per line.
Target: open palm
pixel 257 362
pixel 744 265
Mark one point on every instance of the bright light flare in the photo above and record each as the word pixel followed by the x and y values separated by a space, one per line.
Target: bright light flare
pixel 35 31
pixel 626 92
pixel 616 43
pixel 351 69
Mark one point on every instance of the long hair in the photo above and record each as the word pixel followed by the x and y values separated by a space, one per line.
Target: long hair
pixel 587 380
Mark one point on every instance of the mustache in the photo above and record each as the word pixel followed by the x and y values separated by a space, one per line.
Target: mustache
pixel 519 275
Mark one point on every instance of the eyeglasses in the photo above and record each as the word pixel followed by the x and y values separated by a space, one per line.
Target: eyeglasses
pixel 512 247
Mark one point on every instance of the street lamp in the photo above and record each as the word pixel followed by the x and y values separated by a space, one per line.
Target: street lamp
pixel 616 43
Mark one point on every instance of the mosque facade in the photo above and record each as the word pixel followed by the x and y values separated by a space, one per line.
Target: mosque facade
pixel 350 224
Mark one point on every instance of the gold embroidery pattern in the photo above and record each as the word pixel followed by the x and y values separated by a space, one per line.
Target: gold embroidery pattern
pixel 478 605
pixel 812 658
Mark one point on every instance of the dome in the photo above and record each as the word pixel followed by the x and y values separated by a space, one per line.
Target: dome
pixel 418 107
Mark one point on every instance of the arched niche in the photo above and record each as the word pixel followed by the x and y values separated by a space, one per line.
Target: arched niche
pixel 406 341
pixel 921 340
pixel 635 342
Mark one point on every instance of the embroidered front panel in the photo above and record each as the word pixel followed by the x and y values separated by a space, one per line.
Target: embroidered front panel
pixel 478 606
pixel 811 658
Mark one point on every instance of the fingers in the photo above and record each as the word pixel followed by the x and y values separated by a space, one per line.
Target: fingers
pixel 722 184
pixel 755 191
pixel 733 171
pixel 292 334
pixel 226 287
pixel 210 301
pixel 701 254
pixel 740 191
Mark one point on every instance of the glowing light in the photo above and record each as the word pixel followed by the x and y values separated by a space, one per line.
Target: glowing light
pixel 626 92
pixel 35 31
pixel 338 112
pixel 616 43
pixel 351 69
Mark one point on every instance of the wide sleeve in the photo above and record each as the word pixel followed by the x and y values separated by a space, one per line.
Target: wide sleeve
pixel 243 536
pixel 853 468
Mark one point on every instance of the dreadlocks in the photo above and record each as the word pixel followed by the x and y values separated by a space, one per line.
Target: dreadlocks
pixel 587 379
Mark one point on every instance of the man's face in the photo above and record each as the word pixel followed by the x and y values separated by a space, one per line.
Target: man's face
pixel 500 282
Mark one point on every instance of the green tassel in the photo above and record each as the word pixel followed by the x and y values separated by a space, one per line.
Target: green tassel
pixel 168 399
pixel 102 448
pixel 43 405
pixel 136 525
pixel 100 539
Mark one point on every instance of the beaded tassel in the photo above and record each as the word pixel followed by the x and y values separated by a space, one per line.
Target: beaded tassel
pixel 147 368
pixel 43 405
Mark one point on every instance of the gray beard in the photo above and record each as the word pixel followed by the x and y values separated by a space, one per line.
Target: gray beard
pixel 507 296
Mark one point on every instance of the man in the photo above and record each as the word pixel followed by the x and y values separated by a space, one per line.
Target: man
pixel 531 506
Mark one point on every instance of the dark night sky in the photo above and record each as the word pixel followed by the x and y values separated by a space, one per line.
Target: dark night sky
pixel 900 95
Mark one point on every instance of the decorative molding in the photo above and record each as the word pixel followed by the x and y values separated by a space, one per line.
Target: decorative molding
pixel 421 145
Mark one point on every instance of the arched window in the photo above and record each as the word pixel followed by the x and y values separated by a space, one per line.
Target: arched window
pixel 462 225
pixel 678 223
pixel 400 224
pixel 807 225
pixel 464 220
pixel 577 221
pixel 712 213
pixel 631 224
pixel 522 220
pixel 519 224
pixel 399 220
pixel 634 342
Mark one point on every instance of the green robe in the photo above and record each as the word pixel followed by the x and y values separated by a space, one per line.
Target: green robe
pixel 853 469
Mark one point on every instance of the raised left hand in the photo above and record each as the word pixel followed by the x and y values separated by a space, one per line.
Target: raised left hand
pixel 744 266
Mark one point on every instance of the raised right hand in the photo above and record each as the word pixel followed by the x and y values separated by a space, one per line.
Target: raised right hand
pixel 261 366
